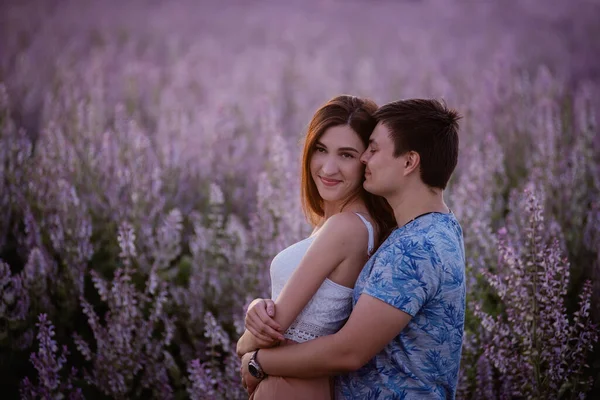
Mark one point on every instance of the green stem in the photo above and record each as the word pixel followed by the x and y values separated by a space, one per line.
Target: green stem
pixel 536 345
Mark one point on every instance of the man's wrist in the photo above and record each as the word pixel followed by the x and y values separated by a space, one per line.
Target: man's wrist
pixel 255 368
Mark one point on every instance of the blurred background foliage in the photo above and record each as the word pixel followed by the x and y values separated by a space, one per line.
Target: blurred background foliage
pixel 149 159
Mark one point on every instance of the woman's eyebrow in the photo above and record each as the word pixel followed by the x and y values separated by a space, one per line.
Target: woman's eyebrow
pixel 352 149
pixel 348 149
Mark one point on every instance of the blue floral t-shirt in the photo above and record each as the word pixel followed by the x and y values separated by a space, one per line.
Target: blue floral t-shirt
pixel 419 269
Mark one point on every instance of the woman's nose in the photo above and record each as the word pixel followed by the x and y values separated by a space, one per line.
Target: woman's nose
pixel 330 167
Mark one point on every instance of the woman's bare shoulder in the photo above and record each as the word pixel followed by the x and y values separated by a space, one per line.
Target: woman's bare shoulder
pixel 347 228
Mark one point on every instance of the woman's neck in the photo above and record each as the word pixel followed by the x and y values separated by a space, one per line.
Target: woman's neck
pixel 332 208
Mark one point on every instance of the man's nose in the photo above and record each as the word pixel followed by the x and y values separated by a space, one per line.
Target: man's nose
pixel 364 157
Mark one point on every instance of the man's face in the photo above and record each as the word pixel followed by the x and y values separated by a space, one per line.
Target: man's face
pixel 384 172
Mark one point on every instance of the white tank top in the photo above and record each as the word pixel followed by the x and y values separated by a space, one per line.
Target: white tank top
pixel 330 306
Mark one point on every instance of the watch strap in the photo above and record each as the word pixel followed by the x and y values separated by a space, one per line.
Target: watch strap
pixel 254 367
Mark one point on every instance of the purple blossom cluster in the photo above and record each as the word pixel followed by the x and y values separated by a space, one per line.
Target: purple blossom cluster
pixel 49 365
pixel 130 353
pixel 149 172
pixel 536 350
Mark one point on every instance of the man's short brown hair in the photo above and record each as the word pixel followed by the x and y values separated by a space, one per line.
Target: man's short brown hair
pixel 429 128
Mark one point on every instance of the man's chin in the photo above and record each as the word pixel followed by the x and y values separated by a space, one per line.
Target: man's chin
pixel 369 188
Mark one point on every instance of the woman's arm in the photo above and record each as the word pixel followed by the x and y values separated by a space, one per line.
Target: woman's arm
pixel 248 342
pixel 339 238
pixel 342 236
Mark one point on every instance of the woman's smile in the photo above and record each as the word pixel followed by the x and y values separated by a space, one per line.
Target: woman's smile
pixel 329 182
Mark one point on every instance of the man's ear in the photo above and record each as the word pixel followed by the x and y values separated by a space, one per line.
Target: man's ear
pixel 412 160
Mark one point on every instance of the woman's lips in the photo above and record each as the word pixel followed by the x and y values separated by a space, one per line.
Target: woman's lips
pixel 329 182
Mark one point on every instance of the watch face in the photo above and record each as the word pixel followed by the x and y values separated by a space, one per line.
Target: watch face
pixel 254 371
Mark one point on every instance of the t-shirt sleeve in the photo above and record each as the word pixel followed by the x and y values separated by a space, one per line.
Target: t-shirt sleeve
pixel 404 276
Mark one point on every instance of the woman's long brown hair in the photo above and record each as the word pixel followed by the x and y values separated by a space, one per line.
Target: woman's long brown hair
pixel 356 113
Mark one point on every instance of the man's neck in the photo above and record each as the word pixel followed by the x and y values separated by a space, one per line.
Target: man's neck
pixel 415 202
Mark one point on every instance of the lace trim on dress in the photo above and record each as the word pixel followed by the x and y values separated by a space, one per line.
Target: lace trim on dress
pixel 301 331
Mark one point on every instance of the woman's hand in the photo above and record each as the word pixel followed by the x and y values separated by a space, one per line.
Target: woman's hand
pixel 259 321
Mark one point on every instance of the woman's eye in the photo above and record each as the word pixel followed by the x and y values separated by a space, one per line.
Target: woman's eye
pixel 320 150
pixel 347 155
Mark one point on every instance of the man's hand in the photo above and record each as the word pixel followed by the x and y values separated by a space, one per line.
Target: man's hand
pixel 248 381
pixel 248 342
pixel 259 321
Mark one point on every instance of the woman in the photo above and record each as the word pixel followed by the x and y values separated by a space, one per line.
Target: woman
pixel 312 280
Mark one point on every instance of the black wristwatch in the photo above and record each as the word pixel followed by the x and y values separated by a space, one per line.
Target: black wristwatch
pixel 254 367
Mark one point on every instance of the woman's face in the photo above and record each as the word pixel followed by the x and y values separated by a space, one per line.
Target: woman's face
pixel 335 164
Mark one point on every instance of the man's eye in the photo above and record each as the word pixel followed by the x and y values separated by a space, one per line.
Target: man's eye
pixel 347 155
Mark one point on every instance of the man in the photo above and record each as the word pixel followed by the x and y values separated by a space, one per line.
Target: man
pixel 404 336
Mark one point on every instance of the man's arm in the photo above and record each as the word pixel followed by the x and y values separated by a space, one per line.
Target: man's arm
pixel 371 326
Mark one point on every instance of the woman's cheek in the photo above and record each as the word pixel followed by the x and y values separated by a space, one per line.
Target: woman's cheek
pixel 315 161
pixel 359 172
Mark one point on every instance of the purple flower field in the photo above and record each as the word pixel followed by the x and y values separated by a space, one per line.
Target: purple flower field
pixel 149 171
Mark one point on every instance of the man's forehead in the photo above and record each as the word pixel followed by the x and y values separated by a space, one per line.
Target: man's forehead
pixel 379 133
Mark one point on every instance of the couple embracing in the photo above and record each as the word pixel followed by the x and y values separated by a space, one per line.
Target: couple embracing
pixel 371 305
